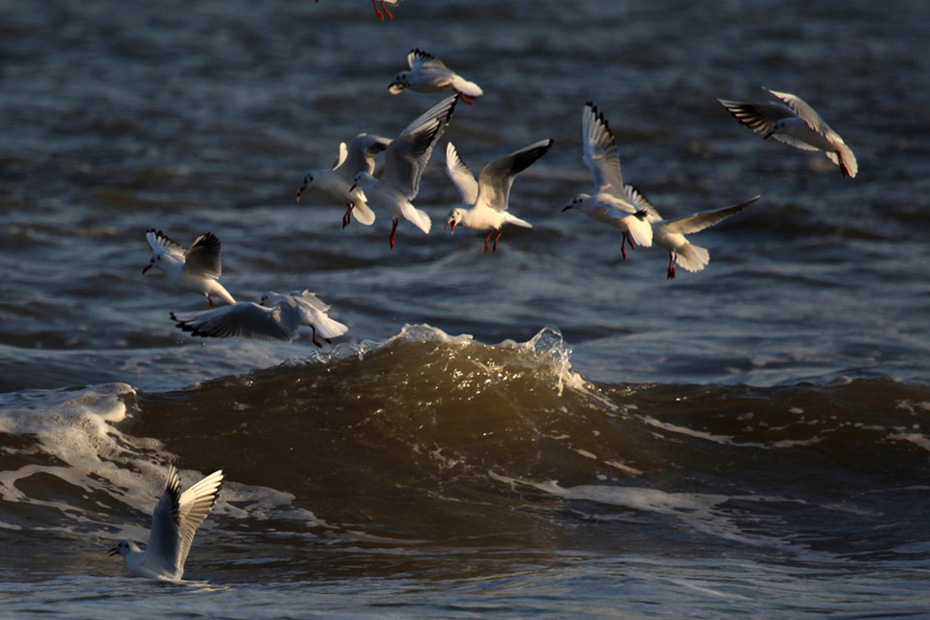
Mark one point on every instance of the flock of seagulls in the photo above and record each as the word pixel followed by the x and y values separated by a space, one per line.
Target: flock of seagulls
pixel 351 182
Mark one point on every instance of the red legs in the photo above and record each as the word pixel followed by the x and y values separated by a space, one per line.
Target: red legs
pixel 383 8
pixel 393 232
pixel 313 337
pixel 302 188
pixel 210 301
pixel 465 98
pixel 626 239
pixel 347 217
pixel 496 239
pixel 672 260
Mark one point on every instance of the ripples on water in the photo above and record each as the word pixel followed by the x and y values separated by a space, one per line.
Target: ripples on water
pixel 747 440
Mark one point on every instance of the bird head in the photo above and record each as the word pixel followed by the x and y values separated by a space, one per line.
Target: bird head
pixel 455 216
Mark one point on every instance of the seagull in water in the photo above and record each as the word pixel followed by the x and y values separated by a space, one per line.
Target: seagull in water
pixel 334 184
pixel 404 161
pixel 175 521
pixel 277 317
pixel 196 270
pixel 670 234
pixel 609 204
pixel 428 74
pixel 792 121
pixel 486 200
pixel 383 10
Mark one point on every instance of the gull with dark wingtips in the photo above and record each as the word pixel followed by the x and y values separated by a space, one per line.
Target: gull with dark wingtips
pixel 792 121
pixel 428 74
pixel 277 317
pixel 175 521
pixel 670 234
pixel 404 161
pixel 197 270
pixel 486 200
pixel 333 184
pixel 608 204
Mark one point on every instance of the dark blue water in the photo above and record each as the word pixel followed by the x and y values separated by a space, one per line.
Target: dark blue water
pixel 747 440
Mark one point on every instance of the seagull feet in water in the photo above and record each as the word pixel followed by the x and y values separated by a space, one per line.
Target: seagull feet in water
pixel 393 232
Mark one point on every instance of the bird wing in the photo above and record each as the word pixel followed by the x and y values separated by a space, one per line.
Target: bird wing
pixel 313 312
pixel 244 319
pixel 757 116
pixel 408 153
pixel 803 110
pixel 600 151
pixel 362 151
pixel 160 242
pixel 203 257
pixel 461 175
pixel 193 507
pixel 640 202
pixel 496 178
pixel 162 554
pixel 703 219
pixel 340 156
pixel 418 58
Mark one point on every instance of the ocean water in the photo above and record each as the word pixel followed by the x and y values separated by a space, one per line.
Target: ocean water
pixel 546 431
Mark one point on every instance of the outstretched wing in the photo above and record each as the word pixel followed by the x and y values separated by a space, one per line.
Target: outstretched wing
pixel 243 319
pixel 461 175
pixel 802 109
pixel 600 151
pixel 496 178
pixel 162 554
pixel 760 117
pixel 407 156
pixel 160 242
pixel 704 219
pixel 418 58
pixel 361 153
pixel 203 257
pixel 193 507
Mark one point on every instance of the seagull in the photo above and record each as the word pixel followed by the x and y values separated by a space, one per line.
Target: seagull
pixel 792 121
pixel 428 74
pixel 312 313
pixel 670 234
pixel 277 317
pixel 608 204
pixel 404 161
pixel 334 184
pixel 196 270
pixel 486 200
pixel 383 10
pixel 174 523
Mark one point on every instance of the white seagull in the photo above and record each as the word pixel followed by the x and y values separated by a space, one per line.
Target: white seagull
pixel 383 10
pixel 277 317
pixel 404 161
pixel 670 234
pixel 792 121
pixel 196 270
pixel 609 204
pixel 334 184
pixel 428 74
pixel 175 521
pixel 486 200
